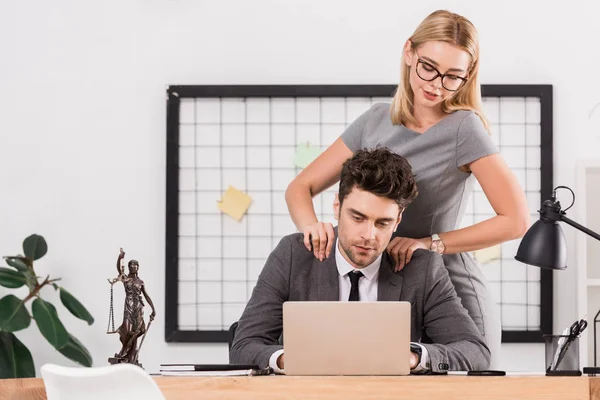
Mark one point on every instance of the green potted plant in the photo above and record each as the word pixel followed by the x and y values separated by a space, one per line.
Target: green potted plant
pixel 15 358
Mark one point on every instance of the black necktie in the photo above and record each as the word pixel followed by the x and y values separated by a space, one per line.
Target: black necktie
pixel 354 277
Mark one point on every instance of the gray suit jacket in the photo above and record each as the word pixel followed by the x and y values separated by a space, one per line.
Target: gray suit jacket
pixel 291 272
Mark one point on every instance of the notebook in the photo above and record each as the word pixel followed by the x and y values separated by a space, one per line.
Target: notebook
pixel 212 370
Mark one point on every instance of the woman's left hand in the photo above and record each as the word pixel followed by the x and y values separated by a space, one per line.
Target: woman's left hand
pixel 401 250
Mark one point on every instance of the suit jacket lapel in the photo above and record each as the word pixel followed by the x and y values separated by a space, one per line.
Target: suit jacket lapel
pixel 328 279
pixel 328 276
pixel 389 284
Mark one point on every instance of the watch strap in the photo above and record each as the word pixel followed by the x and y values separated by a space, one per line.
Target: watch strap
pixel 415 348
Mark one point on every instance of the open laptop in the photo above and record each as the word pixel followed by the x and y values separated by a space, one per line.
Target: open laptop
pixel 346 338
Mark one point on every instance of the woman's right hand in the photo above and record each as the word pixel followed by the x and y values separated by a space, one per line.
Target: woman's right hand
pixel 319 238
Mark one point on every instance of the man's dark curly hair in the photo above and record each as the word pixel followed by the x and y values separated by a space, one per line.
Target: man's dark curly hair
pixel 381 172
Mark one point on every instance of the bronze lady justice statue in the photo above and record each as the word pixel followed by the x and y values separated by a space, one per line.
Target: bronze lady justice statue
pixel 133 326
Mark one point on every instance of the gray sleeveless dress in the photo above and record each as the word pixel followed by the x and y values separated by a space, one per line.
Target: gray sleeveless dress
pixel 435 157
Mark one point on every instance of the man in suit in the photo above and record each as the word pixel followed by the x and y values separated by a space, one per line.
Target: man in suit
pixel 375 187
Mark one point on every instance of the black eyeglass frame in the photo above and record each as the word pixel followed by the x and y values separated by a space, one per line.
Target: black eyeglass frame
pixel 439 74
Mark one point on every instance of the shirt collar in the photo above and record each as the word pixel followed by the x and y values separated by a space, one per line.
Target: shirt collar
pixel 344 267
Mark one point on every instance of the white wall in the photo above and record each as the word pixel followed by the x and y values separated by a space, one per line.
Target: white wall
pixel 82 119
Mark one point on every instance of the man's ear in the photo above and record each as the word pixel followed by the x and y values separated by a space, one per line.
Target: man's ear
pixel 336 207
pixel 408 53
pixel 398 220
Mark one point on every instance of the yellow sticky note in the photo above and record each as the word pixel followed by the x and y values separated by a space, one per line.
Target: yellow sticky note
pixel 234 203
pixel 305 154
pixel 489 254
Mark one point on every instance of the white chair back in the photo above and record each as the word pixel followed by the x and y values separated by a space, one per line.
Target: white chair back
pixel 112 382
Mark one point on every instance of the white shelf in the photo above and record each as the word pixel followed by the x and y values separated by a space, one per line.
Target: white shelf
pixel 588 179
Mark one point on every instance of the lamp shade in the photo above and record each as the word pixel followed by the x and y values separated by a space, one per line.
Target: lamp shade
pixel 543 246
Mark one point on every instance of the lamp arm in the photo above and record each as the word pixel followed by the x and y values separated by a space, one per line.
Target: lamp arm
pixel 580 227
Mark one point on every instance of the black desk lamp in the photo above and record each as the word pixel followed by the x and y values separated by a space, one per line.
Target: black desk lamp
pixel 544 244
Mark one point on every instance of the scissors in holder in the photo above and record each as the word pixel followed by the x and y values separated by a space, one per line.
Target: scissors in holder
pixel 574 332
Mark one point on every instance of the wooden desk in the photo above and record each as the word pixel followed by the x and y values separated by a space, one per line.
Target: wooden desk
pixel 410 387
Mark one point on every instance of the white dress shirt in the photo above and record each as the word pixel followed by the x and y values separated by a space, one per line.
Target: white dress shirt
pixel 367 286
pixel 367 291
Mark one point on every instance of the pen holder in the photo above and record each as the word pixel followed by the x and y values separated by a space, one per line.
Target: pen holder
pixel 562 355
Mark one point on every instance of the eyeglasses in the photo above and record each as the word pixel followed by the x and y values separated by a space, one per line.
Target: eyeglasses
pixel 429 73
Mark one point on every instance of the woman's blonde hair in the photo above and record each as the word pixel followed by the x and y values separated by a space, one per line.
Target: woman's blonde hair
pixel 451 28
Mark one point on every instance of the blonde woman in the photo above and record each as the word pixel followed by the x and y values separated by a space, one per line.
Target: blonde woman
pixel 436 122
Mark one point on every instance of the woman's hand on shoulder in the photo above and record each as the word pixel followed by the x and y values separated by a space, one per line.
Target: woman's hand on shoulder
pixel 319 239
pixel 401 250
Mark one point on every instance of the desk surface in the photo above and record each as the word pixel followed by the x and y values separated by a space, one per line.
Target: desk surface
pixel 409 387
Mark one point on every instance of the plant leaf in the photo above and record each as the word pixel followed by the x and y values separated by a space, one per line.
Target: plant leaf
pixel 13 314
pixel 35 247
pixel 49 324
pixel 15 358
pixel 11 279
pixel 24 266
pixel 77 352
pixel 26 260
pixel 76 308
pixel 18 263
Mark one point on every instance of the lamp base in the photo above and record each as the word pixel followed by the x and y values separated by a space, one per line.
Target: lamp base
pixel 591 371
pixel 563 373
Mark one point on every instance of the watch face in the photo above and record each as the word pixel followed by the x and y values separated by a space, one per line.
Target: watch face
pixel 415 348
pixel 438 246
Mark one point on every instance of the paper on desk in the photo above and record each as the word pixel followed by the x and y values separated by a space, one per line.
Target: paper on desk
pixel 489 254
pixel 234 203
pixel 305 154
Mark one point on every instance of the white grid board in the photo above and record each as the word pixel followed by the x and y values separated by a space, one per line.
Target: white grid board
pixel 249 143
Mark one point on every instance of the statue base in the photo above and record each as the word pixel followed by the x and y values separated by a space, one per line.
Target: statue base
pixel 118 360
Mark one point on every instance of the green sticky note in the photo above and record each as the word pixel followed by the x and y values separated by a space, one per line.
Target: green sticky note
pixel 305 154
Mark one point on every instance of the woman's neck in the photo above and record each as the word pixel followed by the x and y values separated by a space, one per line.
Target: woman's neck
pixel 427 117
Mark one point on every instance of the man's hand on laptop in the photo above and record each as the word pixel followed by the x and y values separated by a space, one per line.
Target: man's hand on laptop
pixel 414 360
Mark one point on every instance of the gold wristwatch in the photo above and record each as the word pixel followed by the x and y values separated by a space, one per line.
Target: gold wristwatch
pixel 437 244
